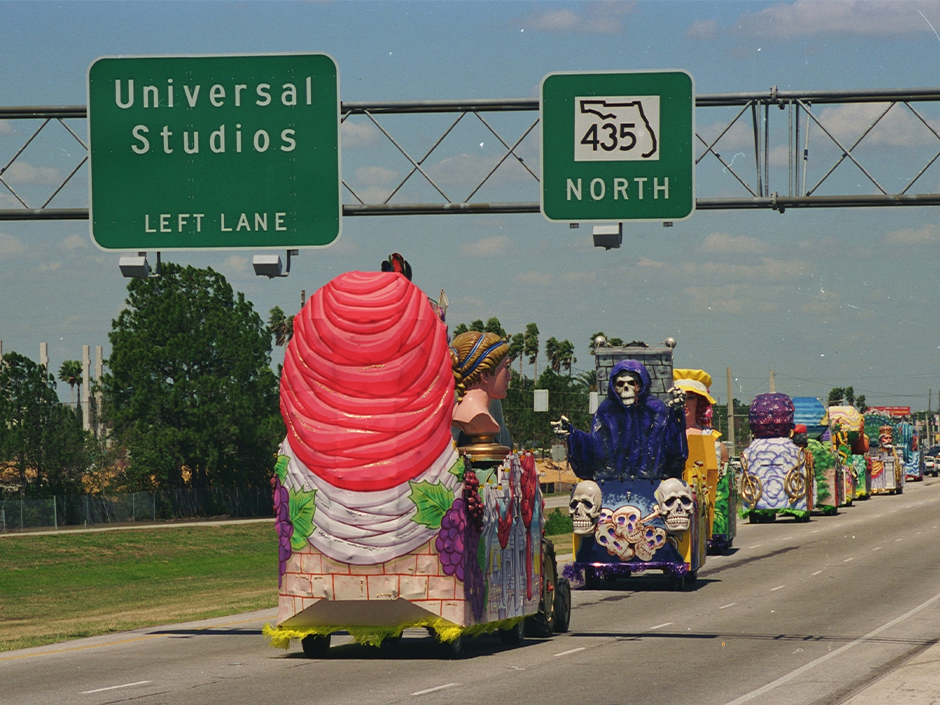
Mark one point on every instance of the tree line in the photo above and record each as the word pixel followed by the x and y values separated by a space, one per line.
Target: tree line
pixel 189 399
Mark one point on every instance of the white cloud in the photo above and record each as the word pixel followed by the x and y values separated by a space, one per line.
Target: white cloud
pixel 10 245
pixel 898 128
pixel 237 264
pixel 376 175
pixel 75 242
pixel 22 173
pixel 497 246
pixel 854 18
pixel 734 244
pixel 469 169
pixel 702 29
pixel 926 235
pixel 594 18
pixel 358 134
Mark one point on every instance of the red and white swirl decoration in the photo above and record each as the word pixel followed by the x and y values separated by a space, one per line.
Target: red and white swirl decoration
pixel 367 395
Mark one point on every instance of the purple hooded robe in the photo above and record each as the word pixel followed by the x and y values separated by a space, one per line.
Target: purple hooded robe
pixel 645 441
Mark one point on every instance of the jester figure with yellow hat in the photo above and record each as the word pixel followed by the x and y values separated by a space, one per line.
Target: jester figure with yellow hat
pixel 704 469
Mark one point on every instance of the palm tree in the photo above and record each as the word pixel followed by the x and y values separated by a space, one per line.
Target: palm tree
pixel 516 348
pixel 553 353
pixel 588 379
pixel 71 373
pixel 566 355
pixel 281 327
pixel 531 348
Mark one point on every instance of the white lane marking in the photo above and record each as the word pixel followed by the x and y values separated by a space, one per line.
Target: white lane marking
pixel 849 559
pixel 814 531
pixel 756 545
pixel 571 651
pixel 779 587
pixel 435 689
pixel 114 687
pixel 816 573
pixel 876 548
pixel 832 654
pixel 730 604
pixel 786 538
pixel 896 540
pixel 659 626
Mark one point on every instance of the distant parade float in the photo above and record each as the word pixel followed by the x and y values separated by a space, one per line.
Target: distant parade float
pixel 704 464
pixel 774 476
pixel 383 523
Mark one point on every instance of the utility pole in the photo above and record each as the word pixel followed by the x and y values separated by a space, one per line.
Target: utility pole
pixel 730 412
pixel 773 383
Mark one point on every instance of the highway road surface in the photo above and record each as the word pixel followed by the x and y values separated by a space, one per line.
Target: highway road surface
pixel 823 612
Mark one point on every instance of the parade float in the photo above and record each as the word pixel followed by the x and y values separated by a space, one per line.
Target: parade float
pixel 632 512
pixel 849 447
pixel 887 468
pixel 704 466
pixel 774 477
pixel 383 523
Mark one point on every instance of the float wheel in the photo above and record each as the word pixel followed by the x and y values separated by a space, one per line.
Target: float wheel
pixel 316 645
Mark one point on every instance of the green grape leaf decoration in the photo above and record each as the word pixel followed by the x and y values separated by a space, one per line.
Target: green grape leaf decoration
pixel 432 501
pixel 301 507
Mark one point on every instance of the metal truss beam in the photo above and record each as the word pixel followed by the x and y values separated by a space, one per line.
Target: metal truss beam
pixel 748 111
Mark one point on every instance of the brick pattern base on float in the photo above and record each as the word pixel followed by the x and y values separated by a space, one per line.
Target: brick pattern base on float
pixel 311 576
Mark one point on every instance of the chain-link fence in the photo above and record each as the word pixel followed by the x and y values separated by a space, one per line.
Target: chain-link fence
pixel 86 510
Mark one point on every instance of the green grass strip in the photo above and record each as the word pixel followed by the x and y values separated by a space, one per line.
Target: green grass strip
pixel 56 587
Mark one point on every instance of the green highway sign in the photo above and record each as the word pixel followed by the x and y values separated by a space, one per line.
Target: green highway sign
pixel 214 152
pixel 617 146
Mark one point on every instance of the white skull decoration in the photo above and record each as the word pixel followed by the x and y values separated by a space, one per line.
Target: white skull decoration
pixel 675 505
pixel 608 537
pixel 627 521
pixel 585 507
pixel 626 385
pixel 652 539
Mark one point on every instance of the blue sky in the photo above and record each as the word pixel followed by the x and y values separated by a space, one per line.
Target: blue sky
pixel 823 297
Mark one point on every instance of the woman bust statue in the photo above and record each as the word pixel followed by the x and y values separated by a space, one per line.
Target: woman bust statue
pixel 481 373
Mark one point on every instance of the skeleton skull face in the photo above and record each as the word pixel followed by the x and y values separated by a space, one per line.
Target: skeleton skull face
pixel 606 516
pixel 606 535
pixel 585 507
pixel 626 520
pixel 652 540
pixel 675 505
pixel 627 385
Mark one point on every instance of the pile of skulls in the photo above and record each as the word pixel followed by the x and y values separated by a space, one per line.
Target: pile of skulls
pixel 625 532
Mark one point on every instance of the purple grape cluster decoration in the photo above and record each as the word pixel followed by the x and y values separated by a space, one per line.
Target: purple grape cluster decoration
pixel 451 541
pixel 283 525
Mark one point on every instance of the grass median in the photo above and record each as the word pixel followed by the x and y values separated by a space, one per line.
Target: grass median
pixel 56 587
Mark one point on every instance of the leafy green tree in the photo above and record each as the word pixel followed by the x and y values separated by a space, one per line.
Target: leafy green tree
pixel 531 347
pixel 836 395
pixel 71 373
pixel 41 440
pixel 459 328
pixel 553 354
pixel 850 396
pixel 860 403
pixel 190 392
pixel 615 342
pixel 516 348
pixel 493 326
pixel 280 327
pixel 566 356
pixel 478 326
pixel 530 429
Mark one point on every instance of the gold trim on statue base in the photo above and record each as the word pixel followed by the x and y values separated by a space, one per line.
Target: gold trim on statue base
pixel 484 449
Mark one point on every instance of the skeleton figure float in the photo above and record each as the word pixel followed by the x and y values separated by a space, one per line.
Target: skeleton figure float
pixel 632 512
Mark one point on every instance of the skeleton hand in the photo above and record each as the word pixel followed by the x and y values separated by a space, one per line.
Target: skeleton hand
pixel 676 399
pixel 561 428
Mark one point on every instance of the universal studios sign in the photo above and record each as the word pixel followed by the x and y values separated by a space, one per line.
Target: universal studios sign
pixel 211 152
